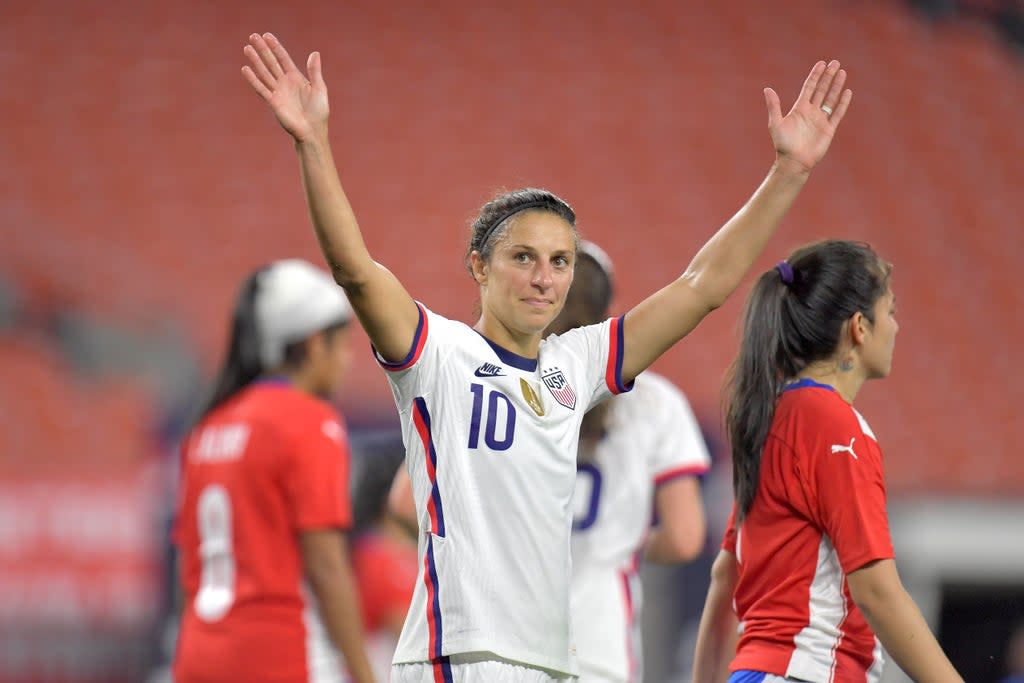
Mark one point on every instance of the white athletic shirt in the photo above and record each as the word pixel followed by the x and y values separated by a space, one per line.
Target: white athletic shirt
pixel 490 442
pixel 652 437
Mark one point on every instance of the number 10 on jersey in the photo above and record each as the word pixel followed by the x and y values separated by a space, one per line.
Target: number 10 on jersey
pixel 497 404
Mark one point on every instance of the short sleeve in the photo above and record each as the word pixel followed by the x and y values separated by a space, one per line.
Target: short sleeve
pixel 849 495
pixel 729 538
pixel 414 374
pixel 679 449
pixel 599 348
pixel 316 480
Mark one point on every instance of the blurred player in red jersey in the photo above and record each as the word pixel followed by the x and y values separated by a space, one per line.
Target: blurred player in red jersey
pixel 807 562
pixel 384 557
pixel 268 586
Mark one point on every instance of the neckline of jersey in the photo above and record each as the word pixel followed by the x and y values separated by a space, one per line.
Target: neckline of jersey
pixel 807 382
pixel 273 381
pixel 509 357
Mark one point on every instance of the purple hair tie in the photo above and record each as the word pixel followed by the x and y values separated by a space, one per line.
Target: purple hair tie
pixel 786 271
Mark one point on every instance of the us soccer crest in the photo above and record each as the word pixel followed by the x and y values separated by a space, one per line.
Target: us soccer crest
pixel 559 387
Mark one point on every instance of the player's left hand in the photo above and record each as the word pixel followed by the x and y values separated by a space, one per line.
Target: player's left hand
pixel 802 136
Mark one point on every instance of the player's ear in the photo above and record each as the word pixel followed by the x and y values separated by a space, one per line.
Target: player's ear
pixel 479 267
pixel 858 326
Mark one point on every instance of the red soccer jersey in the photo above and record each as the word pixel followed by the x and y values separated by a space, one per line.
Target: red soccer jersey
pixel 819 514
pixel 386 571
pixel 266 465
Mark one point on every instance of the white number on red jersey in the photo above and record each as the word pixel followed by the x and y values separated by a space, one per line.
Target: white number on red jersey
pixel 217 583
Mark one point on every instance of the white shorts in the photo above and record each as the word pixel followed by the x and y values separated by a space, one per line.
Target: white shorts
pixel 474 667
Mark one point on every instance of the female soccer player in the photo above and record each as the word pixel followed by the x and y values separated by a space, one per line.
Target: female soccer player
pixel 807 560
pixel 490 413
pixel 637 451
pixel 264 496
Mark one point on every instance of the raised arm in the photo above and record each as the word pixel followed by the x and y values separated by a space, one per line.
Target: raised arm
pixel 385 309
pixel 801 139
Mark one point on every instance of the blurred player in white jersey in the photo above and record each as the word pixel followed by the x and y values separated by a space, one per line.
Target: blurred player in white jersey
pixel 491 413
pixel 639 451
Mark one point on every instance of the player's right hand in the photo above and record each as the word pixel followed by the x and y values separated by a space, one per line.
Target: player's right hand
pixel 300 105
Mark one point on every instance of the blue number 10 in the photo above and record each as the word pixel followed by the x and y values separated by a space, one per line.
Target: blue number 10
pixel 491 428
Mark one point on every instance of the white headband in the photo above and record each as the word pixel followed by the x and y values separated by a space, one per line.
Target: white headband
pixel 295 299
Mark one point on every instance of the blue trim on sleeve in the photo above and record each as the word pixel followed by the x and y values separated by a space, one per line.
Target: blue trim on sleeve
pixel 412 350
pixel 620 352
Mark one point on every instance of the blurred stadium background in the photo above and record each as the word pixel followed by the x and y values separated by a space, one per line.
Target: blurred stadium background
pixel 140 179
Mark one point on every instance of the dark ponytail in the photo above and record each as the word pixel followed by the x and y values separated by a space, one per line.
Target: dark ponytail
pixel 242 364
pixel 794 317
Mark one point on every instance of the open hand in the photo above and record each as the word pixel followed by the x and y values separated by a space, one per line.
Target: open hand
pixel 804 134
pixel 300 105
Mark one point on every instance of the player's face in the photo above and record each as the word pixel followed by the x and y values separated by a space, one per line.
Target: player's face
pixel 530 272
pixel 881 338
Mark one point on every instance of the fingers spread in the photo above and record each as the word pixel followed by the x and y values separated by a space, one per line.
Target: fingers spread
pixel 811 83
pixel 258 67
pixel 835 90
pixel 824 83
pixel 256 83
pixel 266 54
pixel 282 56
pixel 313 68
pixel 771 99
pixel 844 104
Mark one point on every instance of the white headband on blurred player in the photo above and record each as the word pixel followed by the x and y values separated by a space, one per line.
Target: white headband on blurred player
pixel 295 300
pixel 598 254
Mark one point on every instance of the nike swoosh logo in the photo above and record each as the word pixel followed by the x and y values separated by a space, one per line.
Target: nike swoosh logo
pixel 481 372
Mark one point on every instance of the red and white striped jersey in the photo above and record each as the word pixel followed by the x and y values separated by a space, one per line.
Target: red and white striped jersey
pixel 818 514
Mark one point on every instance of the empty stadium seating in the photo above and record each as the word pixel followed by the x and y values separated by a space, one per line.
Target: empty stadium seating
pixel 140 179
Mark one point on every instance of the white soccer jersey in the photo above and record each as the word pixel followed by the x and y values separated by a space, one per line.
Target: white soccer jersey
pixel 652 437
pixel 490 441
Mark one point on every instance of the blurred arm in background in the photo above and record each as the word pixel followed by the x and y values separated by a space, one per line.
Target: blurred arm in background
pixel 679 534
pixel 716 639
pixel 329 570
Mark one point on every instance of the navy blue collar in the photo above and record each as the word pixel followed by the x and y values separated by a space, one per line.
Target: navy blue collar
pixel 509 358
pixel 807 382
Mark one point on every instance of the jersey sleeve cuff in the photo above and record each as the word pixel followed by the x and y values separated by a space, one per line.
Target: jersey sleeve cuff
pixel 418 341
pixel 679 472
pixel 616 350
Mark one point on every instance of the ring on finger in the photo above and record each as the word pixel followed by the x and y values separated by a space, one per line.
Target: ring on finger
pixel 827 109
